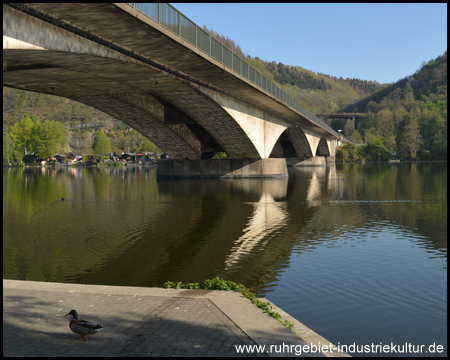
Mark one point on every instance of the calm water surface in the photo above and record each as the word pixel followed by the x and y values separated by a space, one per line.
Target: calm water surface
pixel 356 252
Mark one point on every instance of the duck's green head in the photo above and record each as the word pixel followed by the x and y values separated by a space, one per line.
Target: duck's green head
pixel 73 313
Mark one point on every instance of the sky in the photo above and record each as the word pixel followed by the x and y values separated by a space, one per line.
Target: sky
pixel 382 42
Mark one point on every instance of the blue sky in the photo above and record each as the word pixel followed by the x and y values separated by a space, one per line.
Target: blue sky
pixel 382 42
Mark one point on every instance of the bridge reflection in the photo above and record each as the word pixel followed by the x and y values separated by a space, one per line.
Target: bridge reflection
pixel 196 229
pixel 128 229
pixel 268 217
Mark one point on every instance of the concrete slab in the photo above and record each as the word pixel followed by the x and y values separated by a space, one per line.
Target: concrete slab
pixel 141 321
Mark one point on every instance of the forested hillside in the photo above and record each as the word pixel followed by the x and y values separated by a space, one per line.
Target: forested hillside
pixel 316 92
pixel 410 116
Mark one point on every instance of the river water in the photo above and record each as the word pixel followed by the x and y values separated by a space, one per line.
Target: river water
pixel 356 252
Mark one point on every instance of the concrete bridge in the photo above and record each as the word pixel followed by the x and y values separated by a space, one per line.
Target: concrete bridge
pixel 179 88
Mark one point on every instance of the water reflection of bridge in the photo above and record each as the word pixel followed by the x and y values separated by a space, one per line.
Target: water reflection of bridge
pixel 245 230
pixel 204 229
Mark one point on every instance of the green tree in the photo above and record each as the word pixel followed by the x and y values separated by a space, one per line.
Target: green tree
pixel 101 143
pixel 409 138
pixel 372 106
pixel 439 145
pixel 357 136
pixel 49 138
pixel 349 152
pixel 372 136
pixel 349 128
pixel 333 106
pixel 23 133
pixel 399 115
pixel 8 147
pixel 385 126
pixel 10 153
pixel 376 151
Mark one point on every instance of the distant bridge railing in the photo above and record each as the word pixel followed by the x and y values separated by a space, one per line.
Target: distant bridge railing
pixel 169 17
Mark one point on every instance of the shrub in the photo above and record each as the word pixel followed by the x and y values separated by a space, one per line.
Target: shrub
pixel 377 153
pixel 349 153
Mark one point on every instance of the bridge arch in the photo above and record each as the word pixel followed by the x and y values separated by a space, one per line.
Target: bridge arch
pixel 164 117
pixel 188 104
pixel 322 148
pixel 178 118
pixel 292 142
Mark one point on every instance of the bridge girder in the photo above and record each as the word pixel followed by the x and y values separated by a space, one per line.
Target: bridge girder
pixel 186 120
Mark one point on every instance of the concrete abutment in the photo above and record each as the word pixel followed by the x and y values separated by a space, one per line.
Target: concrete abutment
pixel 224 169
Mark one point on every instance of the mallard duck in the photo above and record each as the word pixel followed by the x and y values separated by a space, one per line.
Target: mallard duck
pixel 82 327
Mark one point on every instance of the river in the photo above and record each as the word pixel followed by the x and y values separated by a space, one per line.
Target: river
pixel 356 252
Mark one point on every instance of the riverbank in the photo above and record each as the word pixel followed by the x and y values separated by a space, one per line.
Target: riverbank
pixel 141 321
pixel 63 166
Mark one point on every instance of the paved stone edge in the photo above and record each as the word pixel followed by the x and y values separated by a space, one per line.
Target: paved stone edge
pixel 250 319
pixel 310 336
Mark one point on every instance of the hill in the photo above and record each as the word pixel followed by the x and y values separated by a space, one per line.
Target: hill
pixel 410 116
pixel 429 81
pixel 317 92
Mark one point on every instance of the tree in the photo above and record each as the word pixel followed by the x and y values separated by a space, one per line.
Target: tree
pixel 357 136
pixel 409 138
pixel 372 106
pixel 8 147
pixel 11 156
pixel 399 115
pixel 376 151
pixel 349 128
pixel 23 133
pixel 50 138
pixel 372 136
pixel 333 106
pixel 101 143
pixel 32 136
pixel 385 127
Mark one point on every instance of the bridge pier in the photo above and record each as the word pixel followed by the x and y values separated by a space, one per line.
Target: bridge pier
pixel 313 161
pixel 224 169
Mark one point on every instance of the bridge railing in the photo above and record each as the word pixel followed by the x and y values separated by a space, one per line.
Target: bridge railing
pixel 169 17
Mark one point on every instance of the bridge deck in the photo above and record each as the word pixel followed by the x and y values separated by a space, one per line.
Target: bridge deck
pixel 140 35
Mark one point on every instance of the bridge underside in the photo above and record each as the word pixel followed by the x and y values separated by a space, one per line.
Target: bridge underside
pixel 186 120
